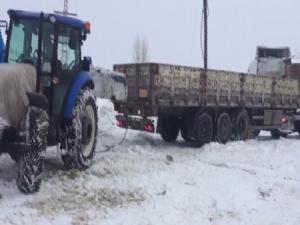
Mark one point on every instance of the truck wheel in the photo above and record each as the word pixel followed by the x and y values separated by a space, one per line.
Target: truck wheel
pixel 224 128
pixel 82 132
pixel 242 125
pixel 34 132
pixel 275 134
pixel 169 128
pixel 203 130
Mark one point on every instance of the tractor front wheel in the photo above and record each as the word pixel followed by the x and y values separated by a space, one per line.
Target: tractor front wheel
pixel 81 132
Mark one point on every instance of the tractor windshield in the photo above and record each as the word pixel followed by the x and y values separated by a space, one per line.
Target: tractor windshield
pixel 23 42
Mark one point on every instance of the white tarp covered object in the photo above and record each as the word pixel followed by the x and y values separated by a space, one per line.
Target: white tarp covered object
pixel 15 81
pixel 109 84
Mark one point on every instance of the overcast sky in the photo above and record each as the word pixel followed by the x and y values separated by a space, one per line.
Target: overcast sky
pixel 172 28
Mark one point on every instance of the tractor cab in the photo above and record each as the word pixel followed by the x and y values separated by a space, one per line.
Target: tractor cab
pixel 52 43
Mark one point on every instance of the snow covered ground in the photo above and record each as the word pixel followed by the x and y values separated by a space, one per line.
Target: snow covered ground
pixel 144 181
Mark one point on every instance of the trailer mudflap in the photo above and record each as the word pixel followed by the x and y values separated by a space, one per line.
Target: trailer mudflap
pixel 135 123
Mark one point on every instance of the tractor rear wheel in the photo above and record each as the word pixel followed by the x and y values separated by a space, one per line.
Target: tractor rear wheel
pixel 34 133
pixel 82 132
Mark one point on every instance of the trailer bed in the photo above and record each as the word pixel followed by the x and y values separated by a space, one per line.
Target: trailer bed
pixel 152 86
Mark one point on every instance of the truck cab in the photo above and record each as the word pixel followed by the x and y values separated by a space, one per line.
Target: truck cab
pixel 270 61
pixel 273 62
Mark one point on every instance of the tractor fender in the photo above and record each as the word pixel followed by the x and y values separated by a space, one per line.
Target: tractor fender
pixel 37 100
pixel 81 80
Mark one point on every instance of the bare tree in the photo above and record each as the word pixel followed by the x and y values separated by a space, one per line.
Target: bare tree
pixel 136 50
pixel 140 50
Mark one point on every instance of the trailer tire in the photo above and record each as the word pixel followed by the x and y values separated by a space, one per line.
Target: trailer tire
pixel 203 129
pixel 34 133
pixel 184 134
pixel 256 134
pixel 184 130
pixel 275 134
pixel 81 132
pixel 242 124
pixel 169 128
pixel 224 128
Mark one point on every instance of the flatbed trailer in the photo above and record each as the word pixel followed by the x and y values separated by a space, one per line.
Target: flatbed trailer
pixel 204 105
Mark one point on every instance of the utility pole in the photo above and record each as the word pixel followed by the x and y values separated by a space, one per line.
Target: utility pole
pixel 66 10
pixel 205 14
pixel 66 7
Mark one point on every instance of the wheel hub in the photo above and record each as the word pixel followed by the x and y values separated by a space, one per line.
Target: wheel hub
pixel 86 130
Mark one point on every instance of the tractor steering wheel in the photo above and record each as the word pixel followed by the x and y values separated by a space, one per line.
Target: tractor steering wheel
pixel 31 60
pixel 71 65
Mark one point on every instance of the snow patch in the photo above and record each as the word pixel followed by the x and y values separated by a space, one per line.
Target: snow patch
pixel 145 181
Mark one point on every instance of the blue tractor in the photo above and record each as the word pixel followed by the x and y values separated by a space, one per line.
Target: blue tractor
pixel 47 94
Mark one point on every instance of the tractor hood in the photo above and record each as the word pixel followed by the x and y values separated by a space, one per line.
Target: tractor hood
pixel 15 81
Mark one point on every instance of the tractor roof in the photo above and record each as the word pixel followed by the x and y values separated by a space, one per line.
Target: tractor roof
pixel 36 15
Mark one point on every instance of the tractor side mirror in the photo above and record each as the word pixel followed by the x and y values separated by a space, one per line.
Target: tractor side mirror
pixel 3 23
pixel 86 63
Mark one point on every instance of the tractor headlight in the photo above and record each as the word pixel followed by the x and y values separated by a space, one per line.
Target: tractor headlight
pixel 52 19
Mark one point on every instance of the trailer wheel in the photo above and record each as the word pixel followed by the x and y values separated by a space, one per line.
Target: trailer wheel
pixel 256 134
pixel 242 125
pixel 169 128
pixel 184 134
pixel 34 132
pixel 203 130
pixel 82 132
pixel 224 128
pixel 184 131
pixel 275 134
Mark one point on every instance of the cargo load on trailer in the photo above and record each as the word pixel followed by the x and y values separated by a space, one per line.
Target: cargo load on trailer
pixel 21 78
pixel 109 84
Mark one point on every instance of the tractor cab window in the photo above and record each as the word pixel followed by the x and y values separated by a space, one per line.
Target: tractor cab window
pixel 23 45
pixel 68 51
